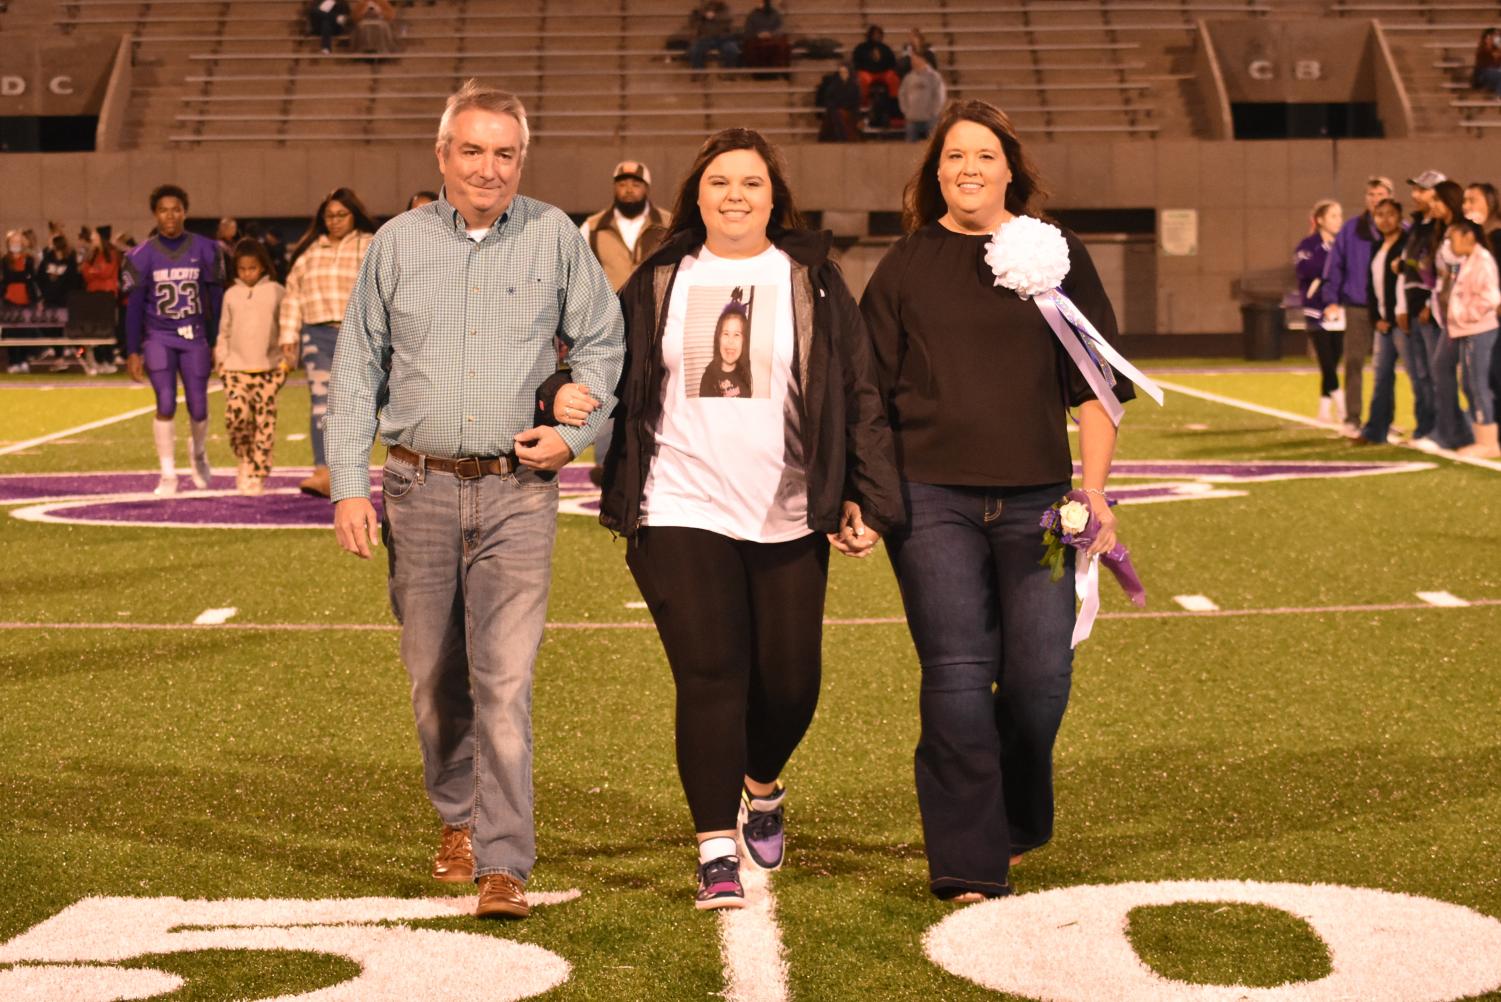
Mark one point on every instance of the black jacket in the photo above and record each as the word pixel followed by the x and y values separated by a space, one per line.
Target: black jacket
pixel 1390 280
pixel 847 446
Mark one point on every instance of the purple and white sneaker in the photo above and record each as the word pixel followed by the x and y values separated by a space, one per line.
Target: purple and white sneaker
pixel 719 884
pixel 761 827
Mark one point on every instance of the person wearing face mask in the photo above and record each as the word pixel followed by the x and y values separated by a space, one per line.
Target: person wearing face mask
pixel 449 330
pixel 1309 259
pixel 978 390
pixel 325 263
pixel 174 286
pixel 730 502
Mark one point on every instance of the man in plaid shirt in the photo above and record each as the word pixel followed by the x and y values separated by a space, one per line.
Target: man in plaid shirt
pixel 448 333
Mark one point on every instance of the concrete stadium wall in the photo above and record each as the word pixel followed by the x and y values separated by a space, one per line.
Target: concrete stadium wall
pixel 1252 198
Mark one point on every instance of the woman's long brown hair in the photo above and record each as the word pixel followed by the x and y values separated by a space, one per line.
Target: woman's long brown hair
pixel 923 202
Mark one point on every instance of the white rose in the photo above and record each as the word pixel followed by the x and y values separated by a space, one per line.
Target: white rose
pixel 1075 517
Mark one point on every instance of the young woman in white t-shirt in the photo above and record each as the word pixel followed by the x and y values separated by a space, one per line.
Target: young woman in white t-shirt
pixel 750 437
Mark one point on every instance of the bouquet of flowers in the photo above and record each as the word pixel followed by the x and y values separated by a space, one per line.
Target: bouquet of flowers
pixel 1070 524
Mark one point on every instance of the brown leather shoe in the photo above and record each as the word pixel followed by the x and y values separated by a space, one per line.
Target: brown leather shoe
pixel 319 484
pixel 454 863
pixel 501 896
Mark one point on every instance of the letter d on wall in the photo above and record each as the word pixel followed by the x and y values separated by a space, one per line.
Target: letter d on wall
pixel 12 86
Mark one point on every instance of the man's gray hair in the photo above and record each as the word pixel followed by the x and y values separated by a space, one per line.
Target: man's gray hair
pixel 476 95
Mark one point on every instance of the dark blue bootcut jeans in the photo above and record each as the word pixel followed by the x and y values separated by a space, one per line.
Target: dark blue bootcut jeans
pixel 993 634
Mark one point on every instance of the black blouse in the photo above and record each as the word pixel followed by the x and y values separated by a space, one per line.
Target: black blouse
pixel 977 387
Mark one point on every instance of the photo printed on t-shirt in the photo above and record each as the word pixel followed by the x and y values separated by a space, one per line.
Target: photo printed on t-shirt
pixel 727 342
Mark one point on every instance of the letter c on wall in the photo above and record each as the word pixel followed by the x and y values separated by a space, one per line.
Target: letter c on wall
pixel 1261 69
pixel 61 86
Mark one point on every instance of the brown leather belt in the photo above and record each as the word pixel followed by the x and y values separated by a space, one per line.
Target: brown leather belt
pixel 466 468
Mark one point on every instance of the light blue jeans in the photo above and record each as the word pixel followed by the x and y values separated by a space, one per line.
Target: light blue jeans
pixel 318 343
pixel 470 567
pixel 1475 365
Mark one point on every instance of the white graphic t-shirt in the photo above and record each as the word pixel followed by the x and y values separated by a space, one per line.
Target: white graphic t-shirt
pixel 729 452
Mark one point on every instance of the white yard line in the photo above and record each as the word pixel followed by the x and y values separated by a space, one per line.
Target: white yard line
pixel 1303 419
pixel 1443 599
pixel 755 965
pixel 1196 603
pixel 15 447
pixel 1289 610
pixel 215 617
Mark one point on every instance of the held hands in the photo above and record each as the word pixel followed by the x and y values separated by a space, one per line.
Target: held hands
pixel 1105 541
pixel 289 355
pixel 1332 312
pixel 854 538
pixel 356 526
pixel 1382 327
pixel 135 367
pixel 1402 321
pixel 542 449
pixel 573 404
pixel 1426 316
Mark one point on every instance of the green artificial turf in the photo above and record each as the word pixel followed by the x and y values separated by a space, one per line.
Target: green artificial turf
pixel 1356 748
pixel 1250 945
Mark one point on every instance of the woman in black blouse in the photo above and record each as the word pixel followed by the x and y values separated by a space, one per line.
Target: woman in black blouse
pixel 978 391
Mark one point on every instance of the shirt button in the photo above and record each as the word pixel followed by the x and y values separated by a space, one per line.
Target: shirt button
pixel 473 333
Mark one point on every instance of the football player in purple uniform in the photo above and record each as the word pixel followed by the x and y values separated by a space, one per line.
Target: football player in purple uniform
pixel 174 285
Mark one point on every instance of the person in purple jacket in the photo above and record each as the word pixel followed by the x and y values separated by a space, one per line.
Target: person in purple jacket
pixel 1309 258
pixel 1346 284
pixel 174 285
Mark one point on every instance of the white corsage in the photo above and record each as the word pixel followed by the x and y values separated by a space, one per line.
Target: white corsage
pixel 1028 256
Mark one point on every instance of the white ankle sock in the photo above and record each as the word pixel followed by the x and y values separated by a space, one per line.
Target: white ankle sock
pixel 200 438
pixel 165 435
pixel 713 848
pixel 768 802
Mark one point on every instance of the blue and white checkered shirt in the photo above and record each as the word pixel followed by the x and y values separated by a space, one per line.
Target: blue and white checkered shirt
pixel 445 340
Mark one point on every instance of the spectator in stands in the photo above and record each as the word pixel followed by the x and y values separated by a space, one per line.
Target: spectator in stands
pixel 765 42
pixel 1309 260
pixel 713 31
pixel 100 271
pixel 421 198
pixel 916 43
pixel 1486 74
pixel 1483 207
pixel 621 237
pixel 374 27
pixel 228 235
pixel 874 61
pixel 327 18
pixel 57 275
pixel 1388 308
pixel 922 96
pixel 1344 286
pixel 276 250
pixel 1474 298
pixel 839 97
pixel 325 264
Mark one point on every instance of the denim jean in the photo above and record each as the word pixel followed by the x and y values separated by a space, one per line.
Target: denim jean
pixel 993 635
pixel 1451 429
pixel 470 567
pixel 1475 362
pixel 1420 374
pixel 727 46
pixel 318 342
pixel 1390 347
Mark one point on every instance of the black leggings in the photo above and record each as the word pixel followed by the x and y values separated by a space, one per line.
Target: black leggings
pixel 1328 346
pixel 742 624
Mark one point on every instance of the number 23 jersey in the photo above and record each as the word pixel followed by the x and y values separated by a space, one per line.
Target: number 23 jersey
pixel 173 275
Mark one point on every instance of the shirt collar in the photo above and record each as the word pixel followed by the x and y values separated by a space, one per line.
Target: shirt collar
pixel 445 210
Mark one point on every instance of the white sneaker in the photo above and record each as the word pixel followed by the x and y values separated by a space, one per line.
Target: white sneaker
pixel 253 487
pixel 1350 430
pixel 1425 444
pixel 18 368
pixel 200 472
pixel 166 487
pixel 1339 408
pixel 1326 410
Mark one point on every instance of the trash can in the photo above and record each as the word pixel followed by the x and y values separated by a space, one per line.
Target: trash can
pixel 1261 331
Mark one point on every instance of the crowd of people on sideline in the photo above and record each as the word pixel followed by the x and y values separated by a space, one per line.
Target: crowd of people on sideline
pixel 1424 291
pixel 41 283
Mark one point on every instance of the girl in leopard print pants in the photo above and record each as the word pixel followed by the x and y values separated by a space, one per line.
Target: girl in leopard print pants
pixel 251 364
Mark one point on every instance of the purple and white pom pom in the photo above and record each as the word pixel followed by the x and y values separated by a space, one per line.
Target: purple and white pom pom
pixel 1028 256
